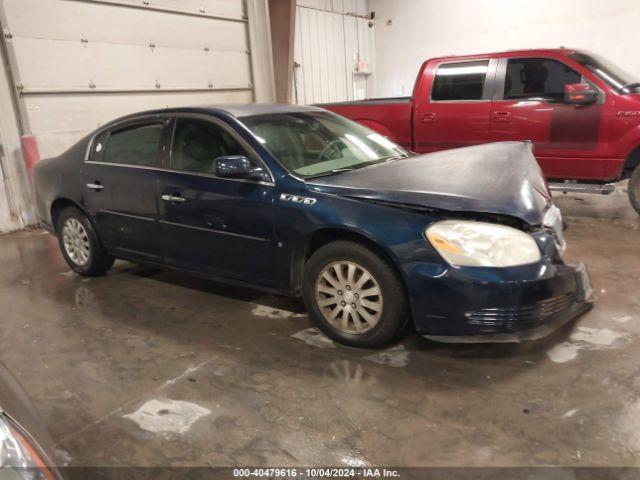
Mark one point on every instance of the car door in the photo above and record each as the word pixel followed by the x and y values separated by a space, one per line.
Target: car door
pixel 454 106
pixel 120 187
pixel 219 226
pixel 528 105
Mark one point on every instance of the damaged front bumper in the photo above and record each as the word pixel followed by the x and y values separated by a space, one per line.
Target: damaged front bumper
pixel 501 305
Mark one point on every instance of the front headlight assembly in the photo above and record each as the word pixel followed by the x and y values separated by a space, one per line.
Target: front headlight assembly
pixel 20 459
pixel 464 243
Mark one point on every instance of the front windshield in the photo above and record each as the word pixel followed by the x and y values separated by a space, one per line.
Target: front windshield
pixel 614 76
pixel 321 143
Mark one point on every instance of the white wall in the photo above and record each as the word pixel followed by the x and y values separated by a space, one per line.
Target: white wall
pixel 333 51
pixel 422 29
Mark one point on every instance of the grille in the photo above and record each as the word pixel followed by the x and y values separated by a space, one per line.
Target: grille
pixel 521 315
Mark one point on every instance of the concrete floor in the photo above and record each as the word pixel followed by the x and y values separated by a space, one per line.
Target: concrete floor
pixel 146 367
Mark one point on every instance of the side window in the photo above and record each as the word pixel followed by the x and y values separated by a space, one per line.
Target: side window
pixel 197 143
pixel 460 81
pixel 97 149
pixel 537 78
pixel 132 145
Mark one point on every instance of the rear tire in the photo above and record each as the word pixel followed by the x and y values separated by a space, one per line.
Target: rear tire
pixel 80 245
pixel 354 296
pixel 634 190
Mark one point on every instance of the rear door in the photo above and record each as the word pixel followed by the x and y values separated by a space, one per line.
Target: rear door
pixel 529 104
pixel 453 107
pixel 120 187
pixel 219 226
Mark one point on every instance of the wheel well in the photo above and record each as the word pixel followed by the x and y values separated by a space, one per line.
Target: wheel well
pixel 632 161
pixel 57 207
pixel 322 237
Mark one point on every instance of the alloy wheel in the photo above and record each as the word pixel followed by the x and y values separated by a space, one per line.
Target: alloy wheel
pixel 76 242
pixel 349 297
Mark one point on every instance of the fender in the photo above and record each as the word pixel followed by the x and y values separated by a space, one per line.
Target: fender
pixel 629 141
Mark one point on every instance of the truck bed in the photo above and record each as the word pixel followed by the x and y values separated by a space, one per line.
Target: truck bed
pixel 390 117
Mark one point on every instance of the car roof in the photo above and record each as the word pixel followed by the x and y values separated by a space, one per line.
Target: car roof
pixel 509 53
pixel 235 110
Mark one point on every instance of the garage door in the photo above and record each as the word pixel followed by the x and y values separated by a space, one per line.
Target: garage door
pixel 77 64
pixel 333 51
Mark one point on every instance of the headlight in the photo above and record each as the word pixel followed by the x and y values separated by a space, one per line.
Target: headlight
pixel 19 458
pixel 477 244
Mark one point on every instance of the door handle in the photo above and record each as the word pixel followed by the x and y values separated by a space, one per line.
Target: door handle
pixel 428 117
pixel 95 186
pixel 501 117
pixel 173 198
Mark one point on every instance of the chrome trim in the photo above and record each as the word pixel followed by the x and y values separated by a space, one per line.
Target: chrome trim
pixel 168 170
pixel 211 230
pixel 95 186
pixel 138 217
pixel 173 198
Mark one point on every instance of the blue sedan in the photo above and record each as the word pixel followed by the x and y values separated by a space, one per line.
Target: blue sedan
pixel 465 244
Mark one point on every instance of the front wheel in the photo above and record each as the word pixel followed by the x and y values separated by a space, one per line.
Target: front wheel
pixel 80 245
pixel 634 190
pixel 354 296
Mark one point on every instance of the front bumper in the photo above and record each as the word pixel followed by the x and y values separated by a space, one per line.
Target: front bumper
pixel 497 305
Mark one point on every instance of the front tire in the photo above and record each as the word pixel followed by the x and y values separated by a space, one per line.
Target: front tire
pixel 354 296
pixel 80 245
pixel 634 190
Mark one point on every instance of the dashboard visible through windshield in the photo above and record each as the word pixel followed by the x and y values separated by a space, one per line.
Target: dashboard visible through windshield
pixel 313 144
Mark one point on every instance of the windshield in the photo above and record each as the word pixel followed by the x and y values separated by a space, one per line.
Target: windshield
pixel 614 76
pixel 321 143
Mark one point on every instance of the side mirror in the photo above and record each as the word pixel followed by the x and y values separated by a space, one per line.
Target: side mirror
pixel 237 166
pixel 580 94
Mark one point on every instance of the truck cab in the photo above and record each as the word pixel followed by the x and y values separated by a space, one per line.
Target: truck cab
pixel 581 113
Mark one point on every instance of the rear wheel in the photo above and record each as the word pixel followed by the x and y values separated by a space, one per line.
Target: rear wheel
pixel 634 190
pixel 354 296
pixel 80 245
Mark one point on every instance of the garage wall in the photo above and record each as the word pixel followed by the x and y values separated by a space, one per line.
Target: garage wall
pixel 77 64
pixel 422 29
pixel 333 51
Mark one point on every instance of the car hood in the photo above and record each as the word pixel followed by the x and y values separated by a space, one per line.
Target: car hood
pixel 500 178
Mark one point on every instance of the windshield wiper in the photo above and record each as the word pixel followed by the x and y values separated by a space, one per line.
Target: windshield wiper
pixel 333 172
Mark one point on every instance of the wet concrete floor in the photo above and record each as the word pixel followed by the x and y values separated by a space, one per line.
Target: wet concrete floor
pixel 147 367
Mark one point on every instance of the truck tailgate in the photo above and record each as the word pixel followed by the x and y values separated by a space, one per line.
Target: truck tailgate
pixel 390 117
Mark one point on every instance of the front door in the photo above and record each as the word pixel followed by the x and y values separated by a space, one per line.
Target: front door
pixel 528 105
pixel 213 225
pixel 121 188
pixel 456 106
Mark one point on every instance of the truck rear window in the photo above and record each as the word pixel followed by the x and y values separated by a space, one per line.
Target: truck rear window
pixel 460 81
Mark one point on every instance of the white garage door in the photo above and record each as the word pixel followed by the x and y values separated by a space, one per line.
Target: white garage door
pixel 80 63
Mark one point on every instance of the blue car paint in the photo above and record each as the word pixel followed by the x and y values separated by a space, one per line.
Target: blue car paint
pixel 265 246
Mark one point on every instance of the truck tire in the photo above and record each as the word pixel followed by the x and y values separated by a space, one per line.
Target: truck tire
pixel 80 245
pixel 634 190
pixel 354 296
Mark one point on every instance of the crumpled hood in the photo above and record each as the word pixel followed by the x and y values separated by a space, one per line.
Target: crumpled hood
pixel 501 178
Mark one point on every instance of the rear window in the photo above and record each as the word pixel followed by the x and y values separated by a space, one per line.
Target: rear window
pixel 460 81
pixel 132 145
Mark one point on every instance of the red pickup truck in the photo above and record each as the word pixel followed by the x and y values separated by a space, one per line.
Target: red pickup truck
pixel 581 113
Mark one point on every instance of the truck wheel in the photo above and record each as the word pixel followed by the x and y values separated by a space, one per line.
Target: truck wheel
pixel 634 190
pixel 80 245
pixel 354 296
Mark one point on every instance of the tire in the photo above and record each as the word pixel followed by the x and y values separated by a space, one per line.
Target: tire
pixel 80 245
pixel 376 320
pixel 634 190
